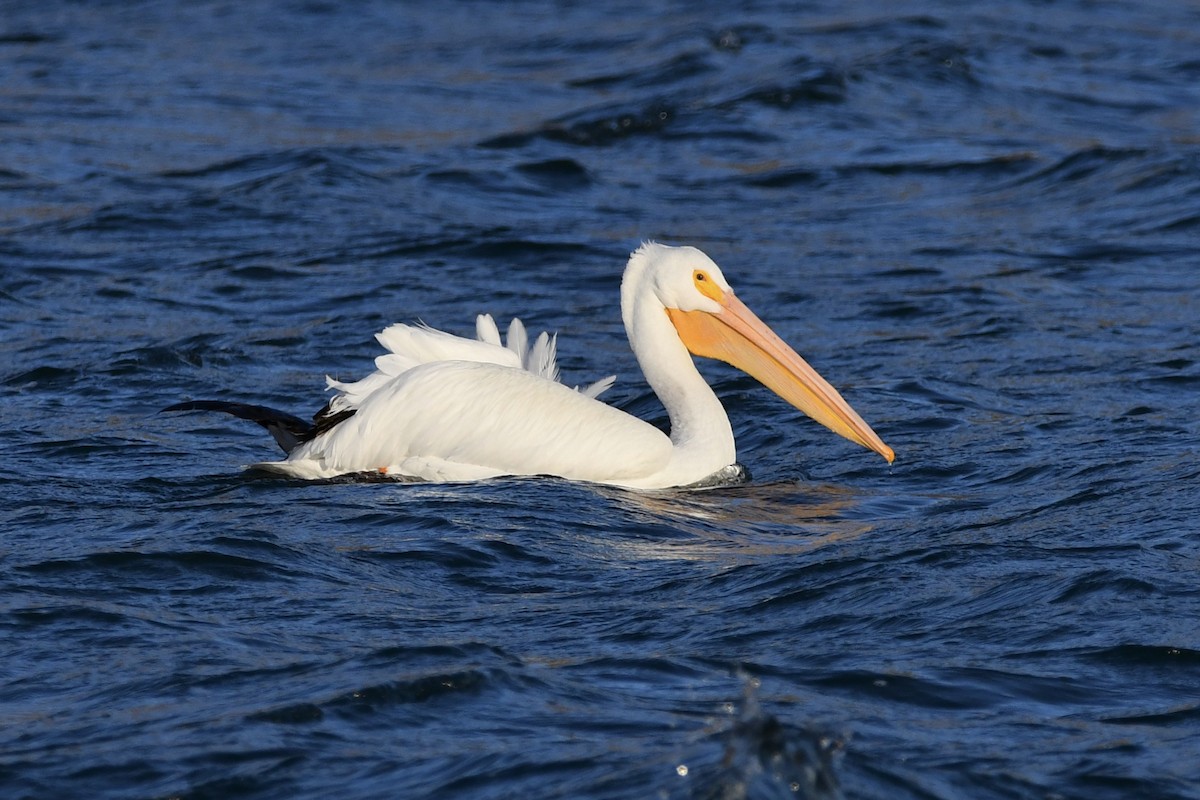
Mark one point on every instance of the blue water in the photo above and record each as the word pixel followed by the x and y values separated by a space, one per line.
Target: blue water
pixel 980 221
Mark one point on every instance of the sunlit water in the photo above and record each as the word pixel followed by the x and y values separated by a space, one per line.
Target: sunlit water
pixel 981 222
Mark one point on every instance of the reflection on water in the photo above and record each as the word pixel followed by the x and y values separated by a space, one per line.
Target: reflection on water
pixel 742 522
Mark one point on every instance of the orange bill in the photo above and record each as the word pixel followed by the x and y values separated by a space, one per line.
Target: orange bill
pixel 738 337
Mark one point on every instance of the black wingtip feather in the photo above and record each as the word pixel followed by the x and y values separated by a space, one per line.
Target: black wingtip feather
pixel 287 430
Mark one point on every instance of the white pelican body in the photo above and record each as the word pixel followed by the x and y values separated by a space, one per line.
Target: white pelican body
pixel 444 408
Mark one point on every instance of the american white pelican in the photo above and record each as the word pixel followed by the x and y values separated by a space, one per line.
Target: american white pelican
pixel 444 408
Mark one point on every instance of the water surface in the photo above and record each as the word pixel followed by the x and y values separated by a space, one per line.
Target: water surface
pixel 979 221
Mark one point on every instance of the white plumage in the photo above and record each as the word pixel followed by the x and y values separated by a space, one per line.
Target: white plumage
pixel 445 408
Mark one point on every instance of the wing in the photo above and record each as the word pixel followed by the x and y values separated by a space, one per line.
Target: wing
pixel 410 346
pixel 464 420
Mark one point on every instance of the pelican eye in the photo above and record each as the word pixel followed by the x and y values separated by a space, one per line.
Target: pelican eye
pixel 707 286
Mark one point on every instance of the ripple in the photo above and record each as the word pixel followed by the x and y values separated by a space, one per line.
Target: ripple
pixel 171 567
pixel 1184 715
pixel 594 128
pixel 677 68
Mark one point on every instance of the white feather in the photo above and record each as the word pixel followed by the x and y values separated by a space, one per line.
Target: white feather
pixel 518 341
pixel 410 346
pixel 486 330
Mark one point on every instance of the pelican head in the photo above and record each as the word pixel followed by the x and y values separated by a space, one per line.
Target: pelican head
pixel 712 322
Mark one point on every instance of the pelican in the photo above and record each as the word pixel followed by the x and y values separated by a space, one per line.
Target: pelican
pixel 444 408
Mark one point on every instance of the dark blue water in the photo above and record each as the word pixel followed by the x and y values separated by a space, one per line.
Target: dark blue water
pixel 981 221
